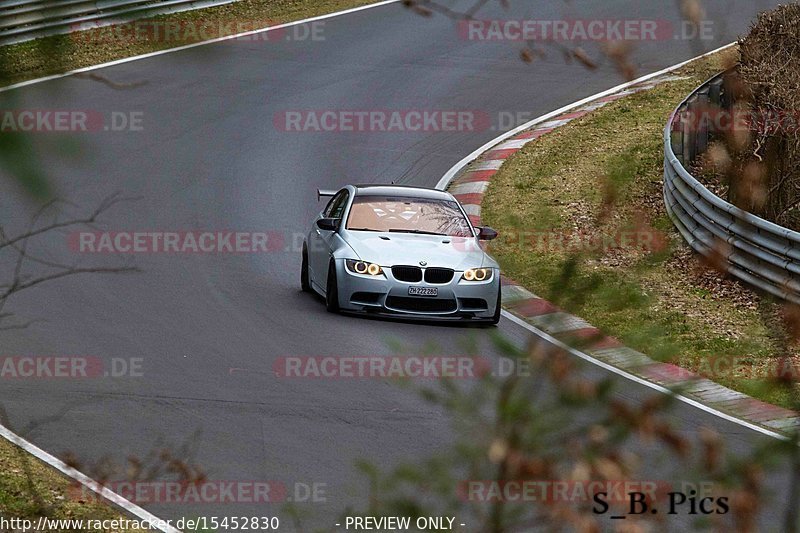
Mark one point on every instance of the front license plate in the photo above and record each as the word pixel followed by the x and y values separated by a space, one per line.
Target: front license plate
pixel 423 291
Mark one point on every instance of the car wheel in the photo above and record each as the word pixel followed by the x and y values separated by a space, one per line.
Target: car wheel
pixel 305 282
pixel 332 290
pixel 498 308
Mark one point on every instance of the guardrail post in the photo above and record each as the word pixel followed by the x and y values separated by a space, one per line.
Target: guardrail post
pixel 689 136
pixel 715 92
pixel 717 99
pixel 702 120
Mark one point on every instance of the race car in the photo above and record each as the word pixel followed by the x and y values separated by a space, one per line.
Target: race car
pixel 400 251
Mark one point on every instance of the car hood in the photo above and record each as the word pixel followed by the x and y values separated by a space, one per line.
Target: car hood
pixel 389 249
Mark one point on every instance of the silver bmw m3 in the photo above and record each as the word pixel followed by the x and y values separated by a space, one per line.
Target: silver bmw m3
pixel 400 251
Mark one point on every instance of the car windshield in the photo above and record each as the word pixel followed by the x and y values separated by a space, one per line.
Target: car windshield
pixel 398 214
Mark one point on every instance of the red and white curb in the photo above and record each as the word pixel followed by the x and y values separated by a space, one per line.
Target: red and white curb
pixel 469 181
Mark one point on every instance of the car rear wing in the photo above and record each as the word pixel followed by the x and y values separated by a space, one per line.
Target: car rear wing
pixel 326 193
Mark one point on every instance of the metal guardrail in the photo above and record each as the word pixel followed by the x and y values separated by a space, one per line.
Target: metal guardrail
pixel 758 252
pixel 23 20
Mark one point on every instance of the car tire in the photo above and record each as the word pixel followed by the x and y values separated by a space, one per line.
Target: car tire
pixel 305 282
pixel 498 307
pixel 332 290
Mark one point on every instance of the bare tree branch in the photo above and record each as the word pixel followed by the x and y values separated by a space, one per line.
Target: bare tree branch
pixel 105 205
pixel 19 246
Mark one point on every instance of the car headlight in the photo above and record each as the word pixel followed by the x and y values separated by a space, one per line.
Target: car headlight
pixel 362 267
pixel 477 274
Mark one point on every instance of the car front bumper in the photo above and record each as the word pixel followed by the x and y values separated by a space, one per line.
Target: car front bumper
pixel 385 295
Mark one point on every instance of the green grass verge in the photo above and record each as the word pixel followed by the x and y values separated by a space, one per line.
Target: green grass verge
pixel 602 175
pixel 30 489
pixel 62 53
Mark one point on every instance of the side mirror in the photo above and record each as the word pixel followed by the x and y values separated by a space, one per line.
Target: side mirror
pixel 328 224
pixel 487 234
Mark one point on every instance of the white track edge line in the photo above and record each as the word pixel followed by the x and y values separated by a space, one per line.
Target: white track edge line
pixel 451 174
pixel 641 381
pixel 194 45
pixel 150 520
pixel 448 177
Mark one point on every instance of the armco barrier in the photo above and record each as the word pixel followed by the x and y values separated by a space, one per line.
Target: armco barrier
pixel 23 20
pixel 758 252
